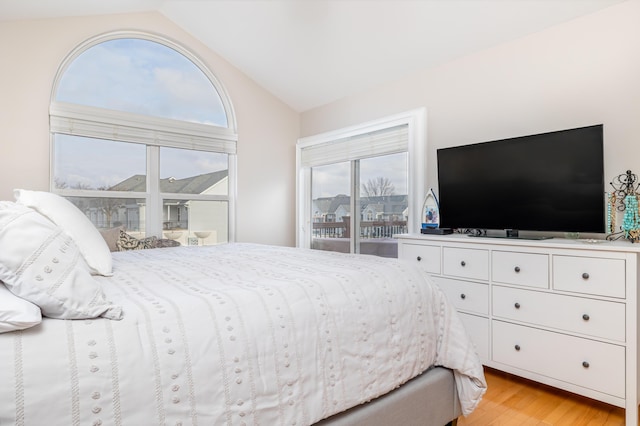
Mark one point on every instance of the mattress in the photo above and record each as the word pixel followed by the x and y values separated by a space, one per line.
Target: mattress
pixel 237 334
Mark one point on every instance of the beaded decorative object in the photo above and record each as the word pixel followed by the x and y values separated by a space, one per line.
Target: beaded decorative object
pixel 624 199
pixel 631 219
pixel 611 214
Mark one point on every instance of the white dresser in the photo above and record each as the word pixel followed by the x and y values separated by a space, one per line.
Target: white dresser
pixel 560 312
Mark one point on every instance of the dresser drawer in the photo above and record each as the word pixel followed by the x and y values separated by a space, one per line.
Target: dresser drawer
pixel 526 269
pixel 466 263
pixel 427 257
pixel 589 275
pixel 478 330
pixel 583 362
pixel 465 295
pixel 597 318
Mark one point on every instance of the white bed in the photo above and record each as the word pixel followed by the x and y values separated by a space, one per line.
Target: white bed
pixel 236 334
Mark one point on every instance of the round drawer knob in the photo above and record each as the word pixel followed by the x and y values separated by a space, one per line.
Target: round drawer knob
pixel 463 263
pixel 418 258
pixel 585 276
pixel 585 364
pixel 517 269
pixel 517 305
pixel 585 317
pixel 463 296
pixel 517 347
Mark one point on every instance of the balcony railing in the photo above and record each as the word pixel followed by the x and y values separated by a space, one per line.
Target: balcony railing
pixel 368 229
pixel 376 237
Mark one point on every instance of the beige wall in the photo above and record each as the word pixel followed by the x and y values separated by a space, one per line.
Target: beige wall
pixel 580 73
pixel 32 51
pixel 583 72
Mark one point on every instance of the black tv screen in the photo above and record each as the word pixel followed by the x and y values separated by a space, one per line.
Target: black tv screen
pixel 545 182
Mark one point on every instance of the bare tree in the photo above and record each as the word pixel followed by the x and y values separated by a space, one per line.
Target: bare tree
pixel 81 186
pixel 108 206
pixel 60 184
pixel 379 186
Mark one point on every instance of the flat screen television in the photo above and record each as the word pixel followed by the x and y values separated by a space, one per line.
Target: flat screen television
pixel 551 182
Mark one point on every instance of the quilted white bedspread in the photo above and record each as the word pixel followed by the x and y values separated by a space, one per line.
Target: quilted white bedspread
pixel 236 334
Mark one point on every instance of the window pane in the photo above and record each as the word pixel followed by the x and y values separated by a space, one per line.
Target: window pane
pixel 195 222
pixel 107 213
pixel 383 203
pixel 87 163
pixel 184 171
pixel 330 207
pixel 143 77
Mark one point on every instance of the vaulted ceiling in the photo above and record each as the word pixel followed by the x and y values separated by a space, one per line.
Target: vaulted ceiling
pixel 312 52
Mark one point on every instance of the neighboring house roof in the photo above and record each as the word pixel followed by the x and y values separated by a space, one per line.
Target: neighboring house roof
pixel 191 185
pixel 391 204
pixel 374 207
pixel 388 204
pixel 136 183
pixel 343 208
pixel 327 205
pixel 337 202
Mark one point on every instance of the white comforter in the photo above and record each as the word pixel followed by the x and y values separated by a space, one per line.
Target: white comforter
pixel 236 334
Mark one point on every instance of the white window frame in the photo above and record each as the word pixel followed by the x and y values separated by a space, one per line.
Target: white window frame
pixel 153 132
pixel 415 119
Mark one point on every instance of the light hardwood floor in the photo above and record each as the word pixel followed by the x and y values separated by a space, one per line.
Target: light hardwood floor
pixel 511 401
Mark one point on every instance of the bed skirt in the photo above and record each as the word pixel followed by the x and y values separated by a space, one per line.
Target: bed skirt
pixel 427 400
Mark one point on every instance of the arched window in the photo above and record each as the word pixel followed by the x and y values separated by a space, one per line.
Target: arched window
pixel 143 136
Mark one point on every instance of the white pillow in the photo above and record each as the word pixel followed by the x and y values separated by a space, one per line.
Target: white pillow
pixel 63 213
pixel 42 264
pixel 16 313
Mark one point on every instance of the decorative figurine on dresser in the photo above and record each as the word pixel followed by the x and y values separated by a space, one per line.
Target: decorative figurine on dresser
pixel 624 199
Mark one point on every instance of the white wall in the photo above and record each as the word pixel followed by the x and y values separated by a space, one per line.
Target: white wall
pixel 30 54
pixel 584 72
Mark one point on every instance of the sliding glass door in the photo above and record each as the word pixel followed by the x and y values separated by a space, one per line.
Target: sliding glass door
pixel 358 206
pixel 358 187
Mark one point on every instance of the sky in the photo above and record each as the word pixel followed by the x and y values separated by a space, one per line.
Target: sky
pixel 142 77
pixel 334 179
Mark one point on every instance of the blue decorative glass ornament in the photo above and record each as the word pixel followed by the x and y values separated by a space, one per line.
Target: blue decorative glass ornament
pixel 430 211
